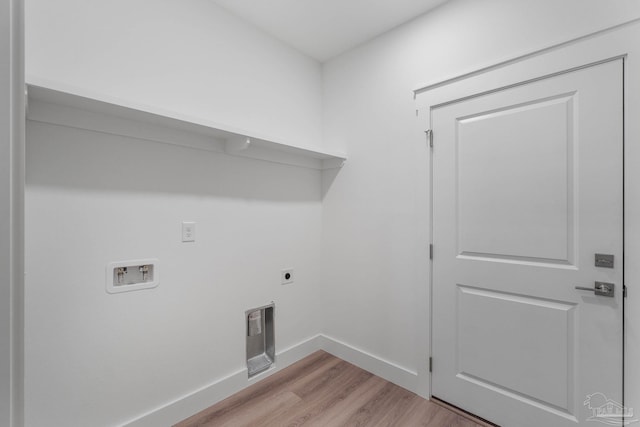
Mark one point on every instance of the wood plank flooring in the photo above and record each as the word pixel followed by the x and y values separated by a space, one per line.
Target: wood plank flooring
pixel 322 390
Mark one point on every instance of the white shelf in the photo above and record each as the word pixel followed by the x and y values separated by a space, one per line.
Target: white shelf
pixel 71 109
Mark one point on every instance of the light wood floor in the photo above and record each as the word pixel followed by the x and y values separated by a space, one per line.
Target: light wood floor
pixel 322 390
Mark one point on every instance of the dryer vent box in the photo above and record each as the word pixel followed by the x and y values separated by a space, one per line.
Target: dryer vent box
pixel 260 334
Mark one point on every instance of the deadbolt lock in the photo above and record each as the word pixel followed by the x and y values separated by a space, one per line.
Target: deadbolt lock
pixel 604 260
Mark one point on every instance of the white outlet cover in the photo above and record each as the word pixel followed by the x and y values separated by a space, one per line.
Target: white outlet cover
pixel 188 231
pixel 285 272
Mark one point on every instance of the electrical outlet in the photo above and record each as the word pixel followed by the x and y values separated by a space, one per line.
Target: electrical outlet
pixel 287 276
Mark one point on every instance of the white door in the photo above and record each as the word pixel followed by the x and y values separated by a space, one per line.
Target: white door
pixel 527 189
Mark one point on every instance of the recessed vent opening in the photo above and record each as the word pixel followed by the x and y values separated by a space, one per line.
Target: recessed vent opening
pixel 260 335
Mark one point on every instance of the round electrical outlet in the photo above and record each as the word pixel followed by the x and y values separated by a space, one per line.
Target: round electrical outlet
pixel 287 276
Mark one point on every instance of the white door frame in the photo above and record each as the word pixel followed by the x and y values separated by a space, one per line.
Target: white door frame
pixel 12 125
pixel 619 41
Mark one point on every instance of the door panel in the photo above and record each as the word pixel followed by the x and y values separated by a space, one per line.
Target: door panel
pixel 506 218
pixel 527 188
pixel 490 337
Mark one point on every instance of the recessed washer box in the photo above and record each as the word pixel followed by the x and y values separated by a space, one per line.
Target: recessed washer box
pixel 133 275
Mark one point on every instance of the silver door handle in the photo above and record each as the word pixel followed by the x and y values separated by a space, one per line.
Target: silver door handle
pixel 601 288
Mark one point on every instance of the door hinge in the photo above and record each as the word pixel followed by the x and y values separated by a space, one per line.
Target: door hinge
pixel 430 364
pixel 429 133
pixel 430 251
pixel 624 291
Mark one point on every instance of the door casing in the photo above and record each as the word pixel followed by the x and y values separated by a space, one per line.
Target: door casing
pixel 547 91
pixel 617 42
pixel 12 146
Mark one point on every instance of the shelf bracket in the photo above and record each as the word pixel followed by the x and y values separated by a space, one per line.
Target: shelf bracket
pixel 240 143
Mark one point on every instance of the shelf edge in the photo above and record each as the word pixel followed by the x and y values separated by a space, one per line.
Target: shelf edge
pixel 93 113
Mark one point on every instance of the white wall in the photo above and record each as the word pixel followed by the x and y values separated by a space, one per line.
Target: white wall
pixel 91 199
pixel 185 56
pixel 376 217
pixel 98 359
pixel 93 358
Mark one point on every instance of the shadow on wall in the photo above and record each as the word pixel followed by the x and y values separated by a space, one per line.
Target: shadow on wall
pixel 84 160
pixel 328 177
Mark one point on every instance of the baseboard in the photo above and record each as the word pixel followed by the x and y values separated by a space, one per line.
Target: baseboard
pixel 219 390
pixel 380 367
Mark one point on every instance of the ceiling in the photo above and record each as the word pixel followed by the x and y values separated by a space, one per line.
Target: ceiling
pixel 323 29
